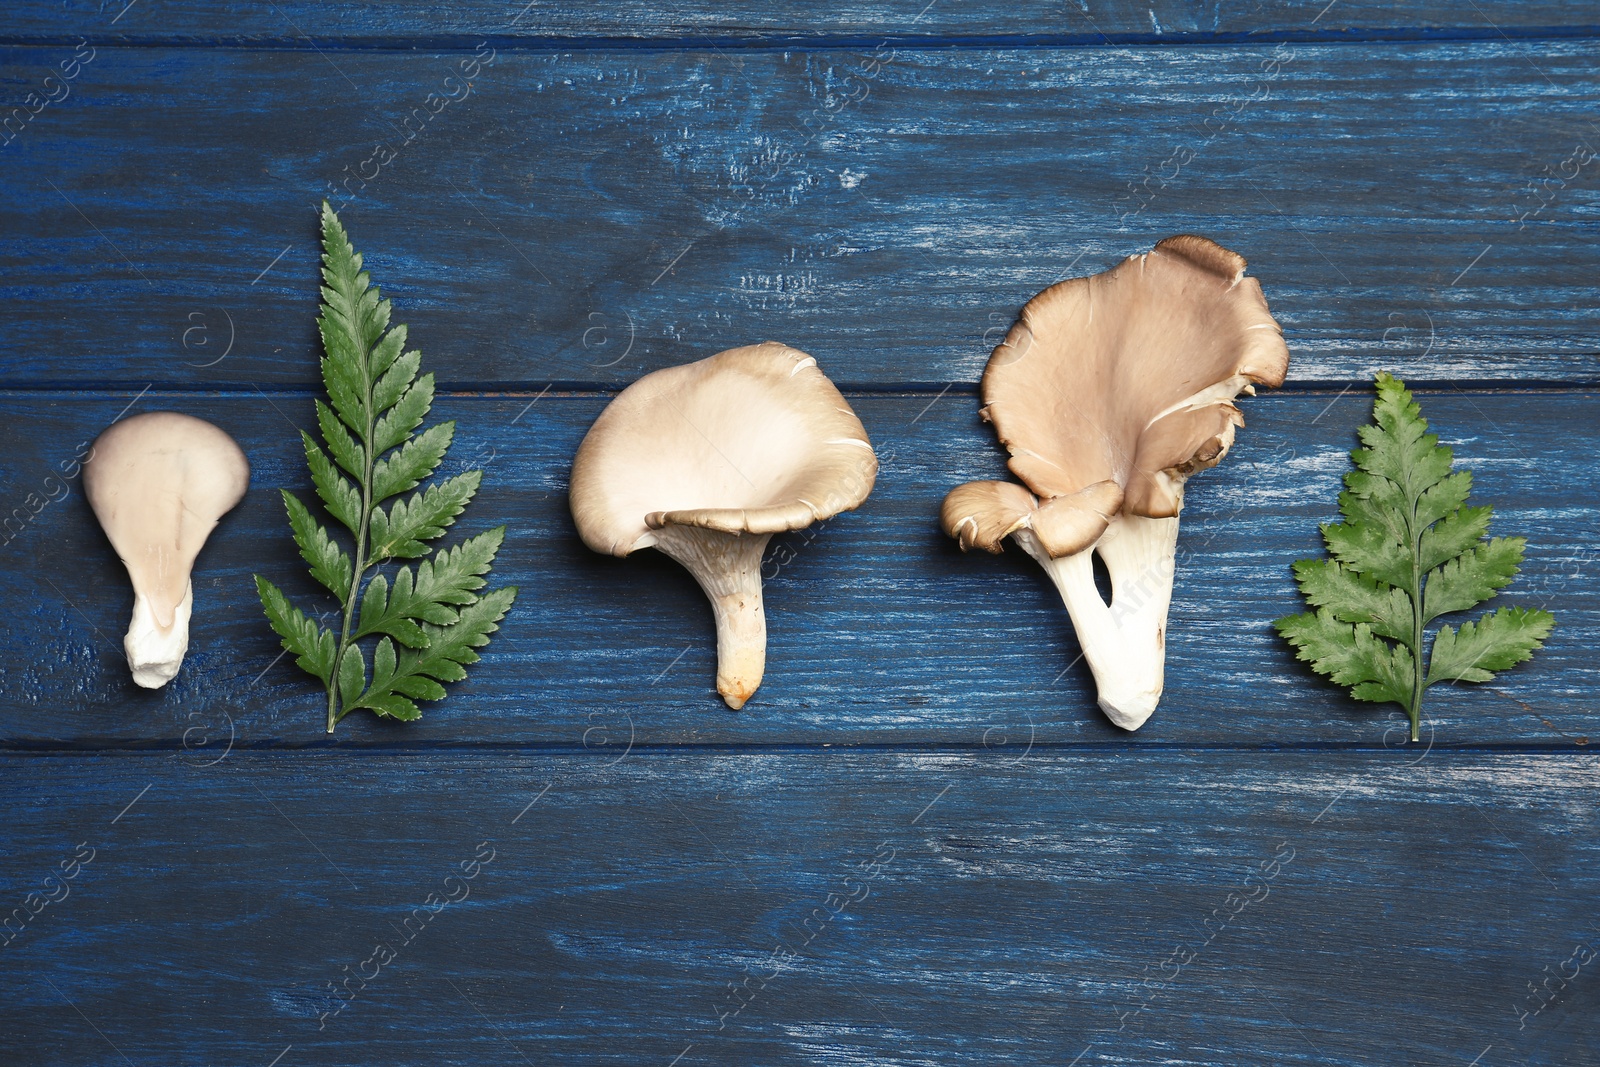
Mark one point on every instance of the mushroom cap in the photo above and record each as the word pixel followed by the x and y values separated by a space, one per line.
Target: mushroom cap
pixel 983 514
pixel 751 440
pixel 158 483
pixel 1126 377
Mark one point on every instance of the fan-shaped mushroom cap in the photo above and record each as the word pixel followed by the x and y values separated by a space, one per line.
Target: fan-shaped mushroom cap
pixel 744 444
pixel 983 514
pixel 1129 376
pixel 158 483
pixel 751 440
pixel 1109 392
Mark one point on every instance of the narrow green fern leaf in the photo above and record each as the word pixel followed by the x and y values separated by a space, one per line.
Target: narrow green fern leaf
pixel 381 697
pixel 352 675
pixel 341 372
pixel 1409 550
pixel 350 456
pixel 399 532
pixel 329 564
pixel 431 619
pixel 451 648
pixel 400 372
pixel 312 645
pixel 415 674
pixel 377 617
pixel 453 577
pixel 413 461
pixel 392 365
pixel 406 415
pixel 339 496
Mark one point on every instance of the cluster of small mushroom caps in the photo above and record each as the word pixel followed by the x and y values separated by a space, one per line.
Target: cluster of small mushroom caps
pixel 1108 393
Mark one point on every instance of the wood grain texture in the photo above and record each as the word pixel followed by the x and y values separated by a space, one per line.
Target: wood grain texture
pixel 291 21
pixel 1263 875
pixel 880 630
pixel 997 910
pixel 583 217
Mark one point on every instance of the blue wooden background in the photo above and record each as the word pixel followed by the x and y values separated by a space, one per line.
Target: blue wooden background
pixel 921 843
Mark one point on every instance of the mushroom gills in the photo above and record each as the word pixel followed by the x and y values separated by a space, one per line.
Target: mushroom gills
pixel 1124 642
pixel 728 568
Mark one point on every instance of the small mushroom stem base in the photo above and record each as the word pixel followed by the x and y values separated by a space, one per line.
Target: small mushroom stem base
pixel 728 568
pixel 1125 641
pixel 155 652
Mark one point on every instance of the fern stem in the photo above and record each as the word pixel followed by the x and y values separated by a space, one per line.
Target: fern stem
pixel 1414 712
pixel 369 460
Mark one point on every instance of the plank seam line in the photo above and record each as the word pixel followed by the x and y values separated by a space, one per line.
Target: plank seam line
pixel 759 41
pixel 167 748
pixel 562 390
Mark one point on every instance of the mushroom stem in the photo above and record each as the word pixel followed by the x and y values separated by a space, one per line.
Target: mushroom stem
pixel 155 651
pixel 158 483
pixel 728 568
pixel 1125 641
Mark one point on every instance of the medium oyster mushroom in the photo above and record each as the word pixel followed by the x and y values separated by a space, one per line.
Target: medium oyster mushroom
pixel 707 461
pixel 1109 392
pixel 158 483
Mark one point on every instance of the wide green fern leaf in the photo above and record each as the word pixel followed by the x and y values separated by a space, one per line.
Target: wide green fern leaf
pixel 1409 550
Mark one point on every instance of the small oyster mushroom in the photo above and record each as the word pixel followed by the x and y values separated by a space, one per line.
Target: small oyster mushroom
pixel 158 483
pixel 707 461
pixel 1109 392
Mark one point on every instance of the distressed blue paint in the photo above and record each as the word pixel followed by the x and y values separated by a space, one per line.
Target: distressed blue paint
pixel 1019 904
pixel 292 22
pixel 587 217
pixel 880 630
pixel 651 847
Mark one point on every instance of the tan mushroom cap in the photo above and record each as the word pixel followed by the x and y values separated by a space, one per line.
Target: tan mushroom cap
pixel 158 483
pixel 751 440
pixel 983 514
pixel 1110 390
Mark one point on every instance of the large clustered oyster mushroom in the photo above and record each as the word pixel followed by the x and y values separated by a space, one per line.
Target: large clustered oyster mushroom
pixel 1109 392
pixel 707 461
pixel 158 483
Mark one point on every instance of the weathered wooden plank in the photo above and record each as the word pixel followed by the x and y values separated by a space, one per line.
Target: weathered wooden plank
pixel 584 217
pixel 879 629
pixel 1221 908
pixel 293 20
